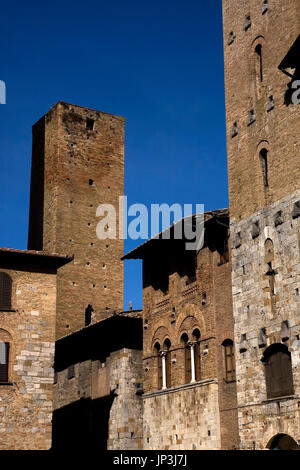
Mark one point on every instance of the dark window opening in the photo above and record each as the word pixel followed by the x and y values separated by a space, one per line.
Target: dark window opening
pixel 229 360
pixel 264 163
pixel 4 361
pixel 90 124
pixel 71 371
pixel 5 291
pixel 258 51
pixel 278 371
pixel 91 182
pixel 197 355
pixel 88 315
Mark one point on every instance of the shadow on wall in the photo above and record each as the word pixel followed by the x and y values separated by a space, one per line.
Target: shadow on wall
pixel 82 425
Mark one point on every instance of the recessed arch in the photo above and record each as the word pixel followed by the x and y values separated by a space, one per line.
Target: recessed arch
pixel 282 442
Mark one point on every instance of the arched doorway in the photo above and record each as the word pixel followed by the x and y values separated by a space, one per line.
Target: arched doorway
pixel 282 442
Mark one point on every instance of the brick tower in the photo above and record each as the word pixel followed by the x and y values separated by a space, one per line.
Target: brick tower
pixel 262 63
pixel 77 164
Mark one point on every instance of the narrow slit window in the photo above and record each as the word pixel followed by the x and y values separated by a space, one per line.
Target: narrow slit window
pixel 264 163
pixel 258 51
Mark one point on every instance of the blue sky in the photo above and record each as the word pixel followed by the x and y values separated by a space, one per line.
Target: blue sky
pixel 158 63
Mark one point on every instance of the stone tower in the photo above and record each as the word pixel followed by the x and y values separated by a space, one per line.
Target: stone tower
pixel 262 64
pixel 77 164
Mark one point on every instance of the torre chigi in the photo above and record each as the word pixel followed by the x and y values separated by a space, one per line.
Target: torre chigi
pixel 212 361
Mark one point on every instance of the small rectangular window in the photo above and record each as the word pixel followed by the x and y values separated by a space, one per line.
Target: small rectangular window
pixel 71 371
pixel 90 124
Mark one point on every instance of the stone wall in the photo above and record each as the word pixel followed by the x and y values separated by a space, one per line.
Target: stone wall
pixel 105 398
pixel 186 418
pixel 75 168
pixel 26 403
pixel 259 419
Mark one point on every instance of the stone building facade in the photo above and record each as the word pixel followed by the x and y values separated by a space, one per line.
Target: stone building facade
pixel 261 50
pixel 27 340
pixel 77 164
pixel 189 390
pixel 98 386
pixel 212 361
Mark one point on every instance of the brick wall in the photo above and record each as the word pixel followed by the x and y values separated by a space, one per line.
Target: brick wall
pixel 74 169
pixel 276 130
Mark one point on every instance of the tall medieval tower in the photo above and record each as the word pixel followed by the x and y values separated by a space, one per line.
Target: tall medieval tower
pixel 77 164
pixel 262 63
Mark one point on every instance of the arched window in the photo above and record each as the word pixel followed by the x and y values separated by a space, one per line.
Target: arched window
pixel 5 291
pixel 88 315
pixel 264 165
pixel 229 360
pixel 196 339
pixel 5 342
pixel 278 371
pixel 187 358
pixel 259 62
pixel 167 359
pixel 158 365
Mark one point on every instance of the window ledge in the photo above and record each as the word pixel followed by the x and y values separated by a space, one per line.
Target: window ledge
pixel 286 397
pixel 180 387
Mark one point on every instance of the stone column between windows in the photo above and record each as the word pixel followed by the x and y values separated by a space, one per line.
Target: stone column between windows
pixel 193 370
pixel 164 372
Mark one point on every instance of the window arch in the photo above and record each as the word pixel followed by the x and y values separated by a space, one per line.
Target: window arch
pixel 5 291
pixel 229 360
pixel 278 371
pixel 5 353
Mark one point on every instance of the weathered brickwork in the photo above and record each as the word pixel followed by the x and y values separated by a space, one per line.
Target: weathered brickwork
pixel 183 419
pixel 277 130
pixel 259 420
pixel 77 164
pixel 29 328
pixel 201 303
